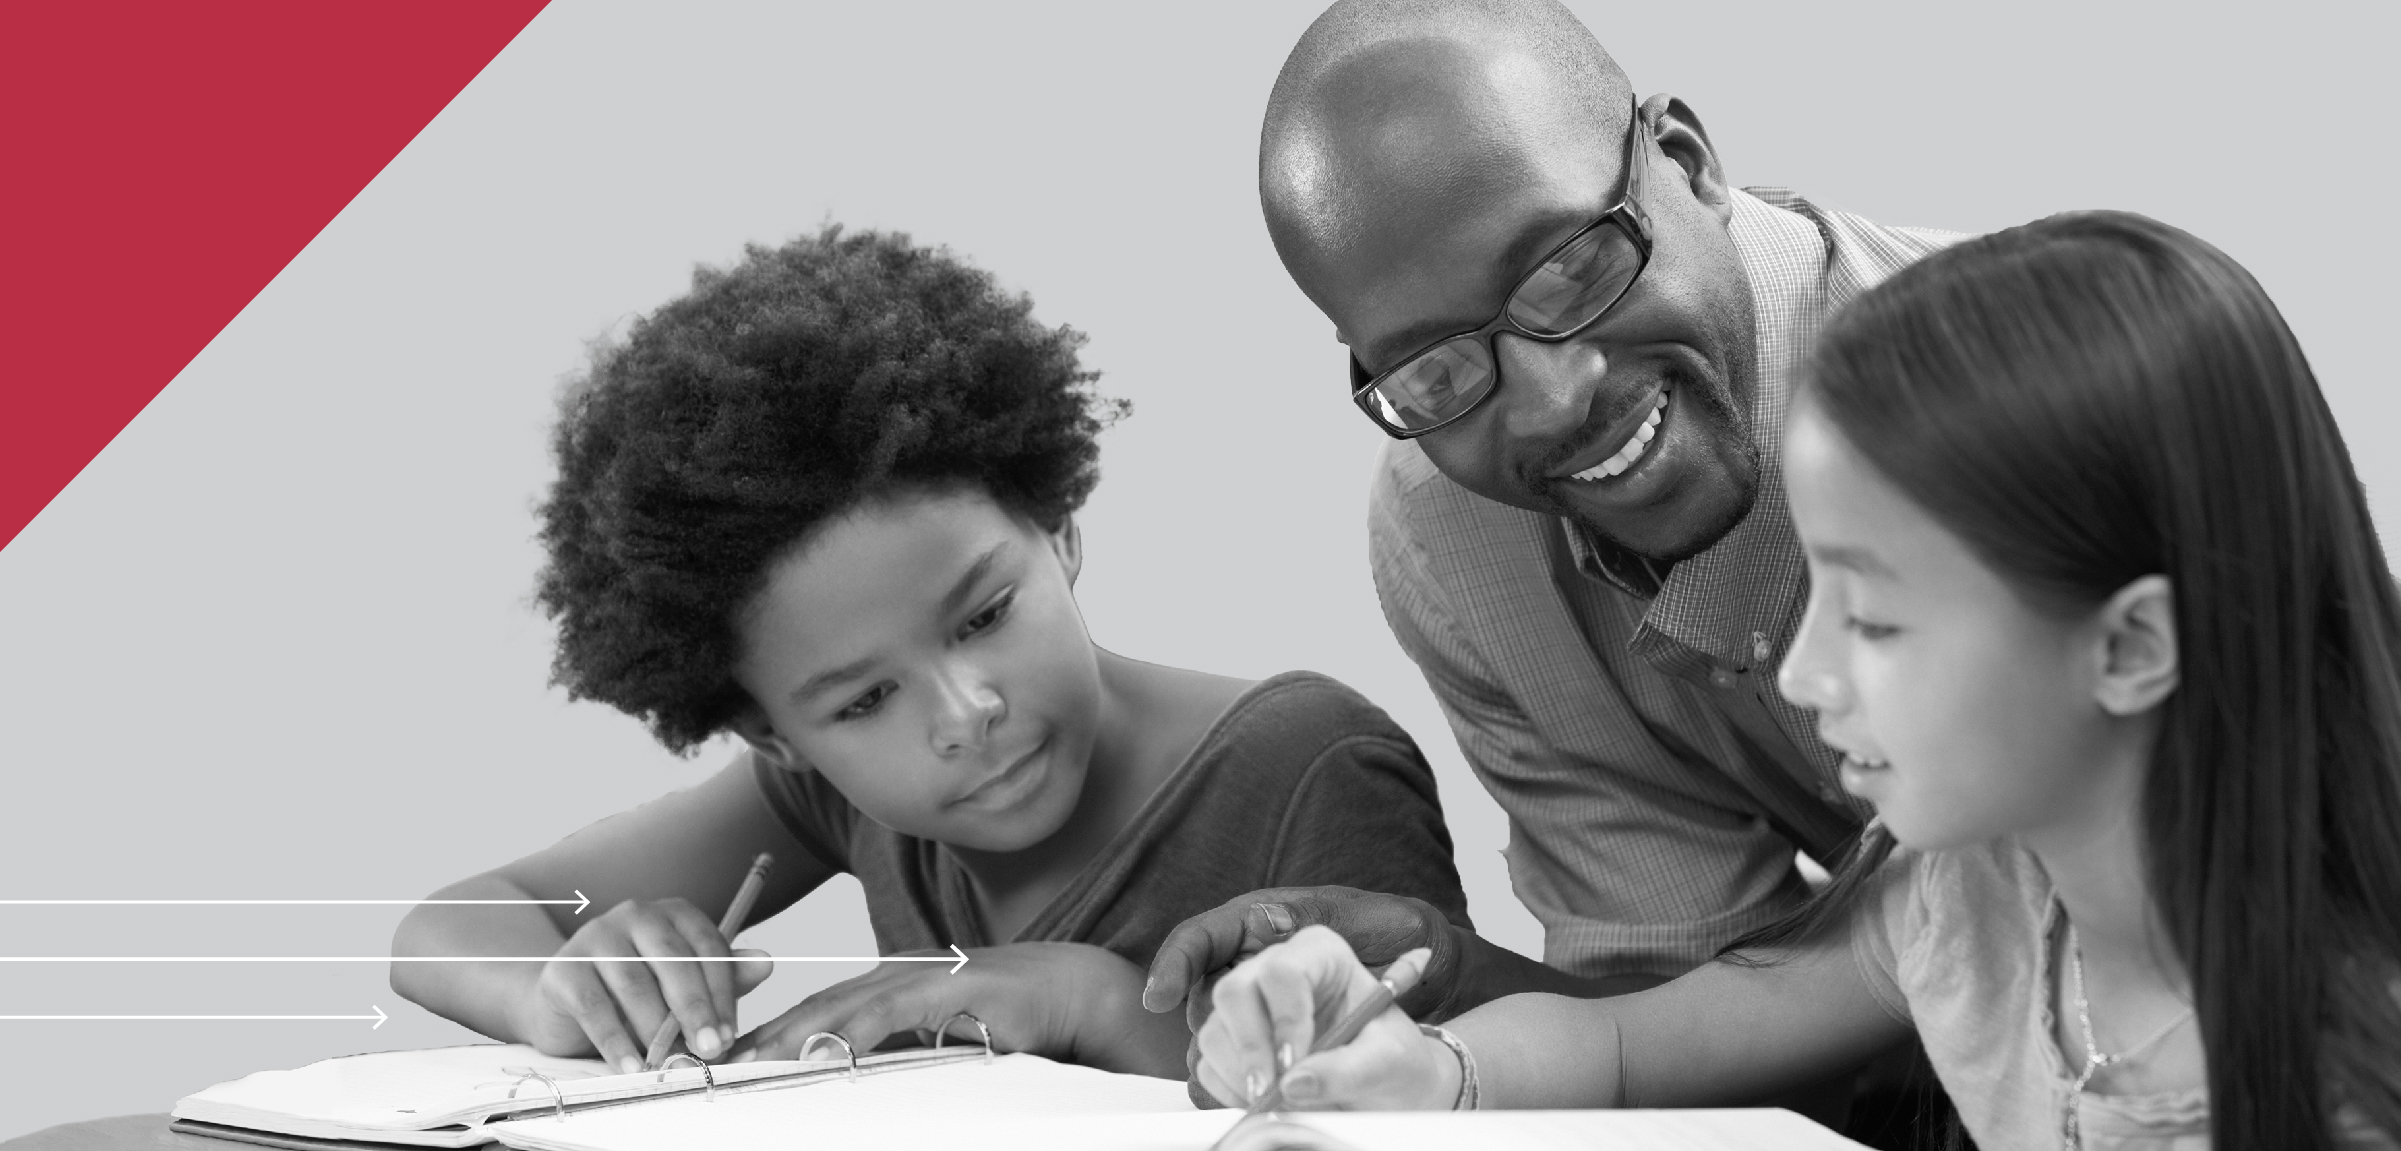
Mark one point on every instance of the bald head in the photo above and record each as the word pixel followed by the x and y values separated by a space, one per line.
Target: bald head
pixel 1392 116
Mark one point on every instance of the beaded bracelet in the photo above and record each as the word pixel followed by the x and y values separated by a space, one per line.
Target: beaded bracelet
pixel 1470 1092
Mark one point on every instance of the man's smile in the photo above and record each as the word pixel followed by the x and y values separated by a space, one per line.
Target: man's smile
pixel 1620 445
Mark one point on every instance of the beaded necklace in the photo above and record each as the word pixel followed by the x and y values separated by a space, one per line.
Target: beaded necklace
pixel 2071 1134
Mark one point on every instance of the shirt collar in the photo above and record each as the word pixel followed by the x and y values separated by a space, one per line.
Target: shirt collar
pixel 1736 601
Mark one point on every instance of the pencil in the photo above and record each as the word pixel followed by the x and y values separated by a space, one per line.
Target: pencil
pixel 728 927
pixel 1399 977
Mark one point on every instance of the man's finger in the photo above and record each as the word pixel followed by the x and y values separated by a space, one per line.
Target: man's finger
pixel 1195 948
pixel 1214 939
pixel 1197 1003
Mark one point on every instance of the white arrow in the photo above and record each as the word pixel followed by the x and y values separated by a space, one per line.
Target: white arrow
pixel 580 902
pixel 960 962
pixel 378 1017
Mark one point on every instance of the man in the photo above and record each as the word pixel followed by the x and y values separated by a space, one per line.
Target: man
pixel 1582 339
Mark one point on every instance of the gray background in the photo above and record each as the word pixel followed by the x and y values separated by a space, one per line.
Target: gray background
pixel 275 641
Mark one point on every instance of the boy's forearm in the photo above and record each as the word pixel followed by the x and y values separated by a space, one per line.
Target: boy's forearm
pixel 1137 1041
pixel 481 996
pixel 1113 1031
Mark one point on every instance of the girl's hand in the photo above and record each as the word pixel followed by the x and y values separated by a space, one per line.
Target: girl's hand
pixel 1068 1001
pixel 614 1008
pixel 1269 1011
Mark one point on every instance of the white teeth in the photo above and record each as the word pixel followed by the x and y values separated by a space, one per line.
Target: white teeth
pixel 1633 449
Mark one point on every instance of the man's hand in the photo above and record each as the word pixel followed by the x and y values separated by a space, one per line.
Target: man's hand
pixel 1378 928
pixel 1061 1000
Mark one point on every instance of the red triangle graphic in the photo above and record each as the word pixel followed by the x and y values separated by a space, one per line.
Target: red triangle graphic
pixel 164 161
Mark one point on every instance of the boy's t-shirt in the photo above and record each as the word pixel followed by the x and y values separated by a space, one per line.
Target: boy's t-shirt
pixel 1958 943
pixel 1301 781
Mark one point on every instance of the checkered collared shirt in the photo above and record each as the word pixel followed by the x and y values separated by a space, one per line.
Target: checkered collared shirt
pixel 1655 780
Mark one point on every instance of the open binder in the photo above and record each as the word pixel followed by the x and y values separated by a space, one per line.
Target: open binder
pixel 455 1096
pixel 964 1097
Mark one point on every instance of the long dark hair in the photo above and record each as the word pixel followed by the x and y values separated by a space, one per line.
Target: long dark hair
pixel 2098 396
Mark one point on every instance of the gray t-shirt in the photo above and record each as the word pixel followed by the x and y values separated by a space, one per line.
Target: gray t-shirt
pixel 1301 781
pixel 1958 943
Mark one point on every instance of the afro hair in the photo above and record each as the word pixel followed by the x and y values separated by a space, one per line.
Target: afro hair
pixel 774 396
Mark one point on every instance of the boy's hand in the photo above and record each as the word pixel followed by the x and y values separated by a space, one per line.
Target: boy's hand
pixel 1269 1011
pixel 1061 1000
pixel 615 1008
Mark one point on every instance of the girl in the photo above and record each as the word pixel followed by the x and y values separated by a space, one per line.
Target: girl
pixel 823 502
pixel 2098 614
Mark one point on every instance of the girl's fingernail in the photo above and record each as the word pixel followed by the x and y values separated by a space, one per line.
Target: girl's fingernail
pixel 1301 1085
pixel 628 1065
pixel 746 1056
pixel 707 1044
pixel 1283 1059
pixel 1253 1085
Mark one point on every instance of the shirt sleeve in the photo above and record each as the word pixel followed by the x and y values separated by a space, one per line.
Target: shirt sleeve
pixel 1364 814
pixel 1882 926
pixel 1641 859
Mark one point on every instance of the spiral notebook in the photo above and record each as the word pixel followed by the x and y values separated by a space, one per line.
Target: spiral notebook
pixel 450 1096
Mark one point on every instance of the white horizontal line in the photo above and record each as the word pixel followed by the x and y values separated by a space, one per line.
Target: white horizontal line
pixel 379 1017
pixel 181 1018
pixel 288 902
pixel 471 959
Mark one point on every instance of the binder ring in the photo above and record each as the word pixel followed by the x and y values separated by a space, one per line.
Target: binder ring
pixel 943 1033
pixel 708 1074
pixel 847 1052
pixel 558 1098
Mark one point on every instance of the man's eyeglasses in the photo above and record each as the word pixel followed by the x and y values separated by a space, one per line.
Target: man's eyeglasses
pixel 1571 288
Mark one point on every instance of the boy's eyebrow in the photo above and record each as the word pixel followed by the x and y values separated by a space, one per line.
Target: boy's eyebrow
pixel 959 591
pixel 951 600
pixel 1856 559
pixel 831 677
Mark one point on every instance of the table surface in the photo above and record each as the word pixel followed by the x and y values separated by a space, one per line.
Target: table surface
pixel 123 1133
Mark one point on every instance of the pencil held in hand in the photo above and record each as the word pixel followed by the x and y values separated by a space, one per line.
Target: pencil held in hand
pixel 735 913
pixel 1397 980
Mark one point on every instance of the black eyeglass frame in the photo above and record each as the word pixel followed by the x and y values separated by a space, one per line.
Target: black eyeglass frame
pixel 1627 216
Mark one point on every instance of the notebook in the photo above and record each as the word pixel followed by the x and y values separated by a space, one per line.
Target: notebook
pixel 977 1104
pixel 447 1096
pixel 459 1097
pixel 1021 1101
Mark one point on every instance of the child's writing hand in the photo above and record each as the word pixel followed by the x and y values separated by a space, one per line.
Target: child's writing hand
pixel 1380 928
pixel 616 1007
pixel 1269 1011
pixel 1062 1000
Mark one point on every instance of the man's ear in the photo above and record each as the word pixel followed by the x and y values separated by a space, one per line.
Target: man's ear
pixel 2138 658
pixel 765 742
pixel 1067 542
pixel 1679 134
